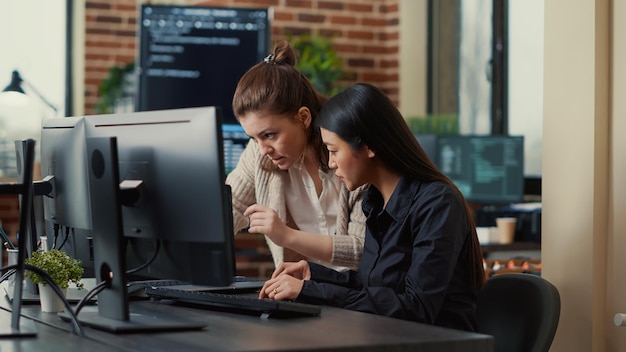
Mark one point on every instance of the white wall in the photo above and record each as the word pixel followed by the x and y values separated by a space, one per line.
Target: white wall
pixel 33 42
pixel 580 254
pixel 525 76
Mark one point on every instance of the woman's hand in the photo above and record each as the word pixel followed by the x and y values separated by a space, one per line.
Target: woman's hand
pixel 299 270
pixel 286 282
pixel 282 288
pixel 265 220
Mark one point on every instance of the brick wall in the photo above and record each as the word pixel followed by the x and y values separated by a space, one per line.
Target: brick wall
pixel 365 31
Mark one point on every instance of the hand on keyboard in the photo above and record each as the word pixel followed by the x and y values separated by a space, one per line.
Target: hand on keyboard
pixel 235 302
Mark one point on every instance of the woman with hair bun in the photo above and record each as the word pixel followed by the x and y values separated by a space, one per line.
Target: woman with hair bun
pixel 282 186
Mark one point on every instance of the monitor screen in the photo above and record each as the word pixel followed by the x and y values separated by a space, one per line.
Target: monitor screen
pixel 235 140
pixel 192 56
pixel 488 169
pixel 158 197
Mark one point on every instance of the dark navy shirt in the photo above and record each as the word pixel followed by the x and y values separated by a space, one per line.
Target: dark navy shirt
pixel 415 263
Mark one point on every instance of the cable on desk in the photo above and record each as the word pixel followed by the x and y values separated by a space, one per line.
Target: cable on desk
pixel 7 274
pixel 78 329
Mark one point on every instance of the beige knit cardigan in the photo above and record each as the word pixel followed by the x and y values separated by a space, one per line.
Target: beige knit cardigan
pixel 252 182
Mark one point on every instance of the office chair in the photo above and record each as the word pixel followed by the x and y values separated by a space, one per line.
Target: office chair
pixel 520 310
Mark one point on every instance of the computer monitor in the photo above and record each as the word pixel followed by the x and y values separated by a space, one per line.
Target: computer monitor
pixel 166 186
pixel 488 169
pixel 67 214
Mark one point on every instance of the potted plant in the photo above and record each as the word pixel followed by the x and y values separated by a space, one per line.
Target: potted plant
pixel 62 269
pixel 319 62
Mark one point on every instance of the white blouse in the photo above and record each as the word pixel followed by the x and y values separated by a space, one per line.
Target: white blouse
pixel 310 212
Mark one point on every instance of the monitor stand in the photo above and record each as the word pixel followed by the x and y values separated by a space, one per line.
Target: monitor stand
pixel 140 321
pixel 12 324
pixel 113 310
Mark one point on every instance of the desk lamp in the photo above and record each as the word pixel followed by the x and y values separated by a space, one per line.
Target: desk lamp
pixel 15 87
pixel 22 109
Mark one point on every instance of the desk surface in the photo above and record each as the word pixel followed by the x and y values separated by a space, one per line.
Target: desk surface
pixel 336 329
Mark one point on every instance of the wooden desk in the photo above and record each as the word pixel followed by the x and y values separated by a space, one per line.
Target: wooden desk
pixel 335 330
pixel 50 339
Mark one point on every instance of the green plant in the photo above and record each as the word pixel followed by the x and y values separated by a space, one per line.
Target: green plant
pixel 434 124
pixel 112 88
pixel 319 62
pixel 61 267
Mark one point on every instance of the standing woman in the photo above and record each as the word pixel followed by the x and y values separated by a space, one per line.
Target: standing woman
pixel 422 260
pixel 282 186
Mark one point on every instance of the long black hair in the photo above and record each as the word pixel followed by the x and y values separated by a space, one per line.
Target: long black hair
pixel 363 115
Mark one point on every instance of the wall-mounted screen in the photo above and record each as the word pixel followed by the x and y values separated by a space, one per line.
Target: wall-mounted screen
pixel 192 56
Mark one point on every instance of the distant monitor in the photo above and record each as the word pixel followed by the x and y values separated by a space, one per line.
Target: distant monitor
pixel 192 56
pixel 171 210
pixel 488 169
pixel 235 141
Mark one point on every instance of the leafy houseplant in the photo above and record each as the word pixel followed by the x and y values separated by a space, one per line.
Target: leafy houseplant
pixel 112 88
pixel 61 268
pixel 319 62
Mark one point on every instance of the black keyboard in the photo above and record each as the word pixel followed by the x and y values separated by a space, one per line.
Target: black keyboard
pixel 240 284
pixel 243 303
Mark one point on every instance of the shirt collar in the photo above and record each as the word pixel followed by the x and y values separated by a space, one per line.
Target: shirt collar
pixel 399 203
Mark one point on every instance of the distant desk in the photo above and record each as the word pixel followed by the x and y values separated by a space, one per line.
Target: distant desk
pixel 335 330
pixel 515 246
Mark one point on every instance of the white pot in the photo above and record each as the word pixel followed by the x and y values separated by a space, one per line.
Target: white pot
pixel 50 301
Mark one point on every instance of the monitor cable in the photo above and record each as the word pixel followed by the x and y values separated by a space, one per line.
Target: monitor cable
pixel 56 235
pixel 91 294
pixel 11 269
pixel 145 265
pixel 67 234
pixel 6 275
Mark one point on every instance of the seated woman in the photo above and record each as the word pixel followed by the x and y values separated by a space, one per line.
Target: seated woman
pixel 421 260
